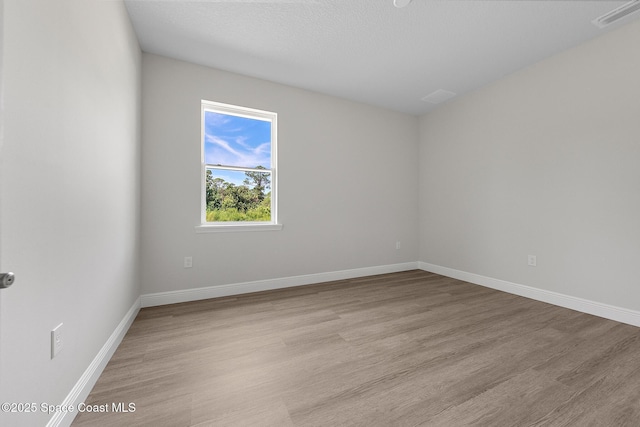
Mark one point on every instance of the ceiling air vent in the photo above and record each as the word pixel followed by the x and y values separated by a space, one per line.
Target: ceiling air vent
pixel 439 96
pixel 616 14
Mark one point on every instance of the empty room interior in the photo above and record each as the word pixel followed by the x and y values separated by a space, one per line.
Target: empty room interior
pixel 435 219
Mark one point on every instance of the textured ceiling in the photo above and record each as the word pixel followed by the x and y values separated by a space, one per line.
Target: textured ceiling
pixel 368 50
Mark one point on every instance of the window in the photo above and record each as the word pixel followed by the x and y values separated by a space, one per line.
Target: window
pixel 238 168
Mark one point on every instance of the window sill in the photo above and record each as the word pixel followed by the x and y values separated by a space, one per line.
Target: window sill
pixel 222 228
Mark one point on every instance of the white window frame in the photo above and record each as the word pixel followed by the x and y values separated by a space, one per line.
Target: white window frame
pixel 250 113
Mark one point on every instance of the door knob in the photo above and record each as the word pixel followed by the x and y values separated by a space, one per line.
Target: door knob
pixel 6 280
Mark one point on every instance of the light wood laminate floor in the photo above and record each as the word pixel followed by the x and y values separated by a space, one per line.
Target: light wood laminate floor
pixel 401 349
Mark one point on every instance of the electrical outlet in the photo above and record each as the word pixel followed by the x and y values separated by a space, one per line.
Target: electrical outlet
pixel 398 244
pixel 188 262
pixel 56 340
pixel 532 260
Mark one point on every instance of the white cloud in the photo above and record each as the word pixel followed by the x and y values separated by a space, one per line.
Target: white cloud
pixel 225 153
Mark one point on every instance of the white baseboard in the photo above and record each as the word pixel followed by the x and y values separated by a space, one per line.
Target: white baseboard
pixel 611 312
pixel 88 379
pixel 172 297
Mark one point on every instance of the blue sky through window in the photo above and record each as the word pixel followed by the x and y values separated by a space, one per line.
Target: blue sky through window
pixel 236 141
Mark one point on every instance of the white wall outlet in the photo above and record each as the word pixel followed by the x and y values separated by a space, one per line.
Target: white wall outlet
pixel 188 262
pixel 398 244
pixel 56 340
pixel 532 260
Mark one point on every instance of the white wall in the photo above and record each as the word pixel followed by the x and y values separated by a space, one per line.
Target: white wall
pixel 70 191
pixel 347 183
pixel 544 162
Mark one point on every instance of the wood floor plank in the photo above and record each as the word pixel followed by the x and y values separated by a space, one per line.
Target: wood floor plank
pixel 520 400
pixel 410 348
